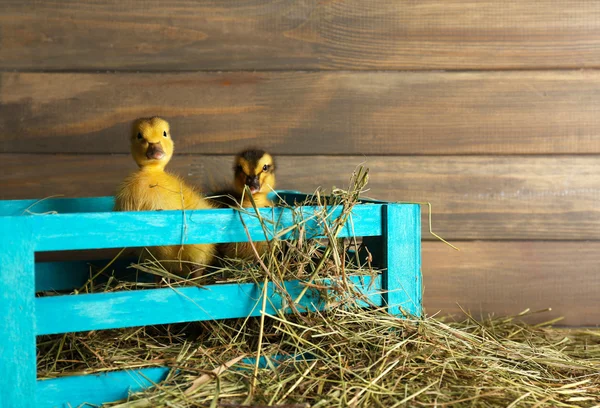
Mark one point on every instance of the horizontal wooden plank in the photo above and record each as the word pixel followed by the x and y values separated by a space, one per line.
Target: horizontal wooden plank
pixel 61 232
pixel 73 313
pixel 307 112
pixel 96 389
pixel 505 197
pixel 506 278
pixel 312 34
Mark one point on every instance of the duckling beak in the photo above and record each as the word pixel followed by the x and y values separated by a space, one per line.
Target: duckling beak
pixel 155 151
pixel 253 184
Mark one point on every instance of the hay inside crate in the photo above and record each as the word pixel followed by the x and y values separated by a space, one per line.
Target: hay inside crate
pixel 393 232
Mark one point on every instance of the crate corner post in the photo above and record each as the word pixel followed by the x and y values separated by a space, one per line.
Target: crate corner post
pixel 402 278
pixel 17 303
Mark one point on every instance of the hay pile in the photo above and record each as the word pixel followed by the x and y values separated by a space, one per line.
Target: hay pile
pixel 346 356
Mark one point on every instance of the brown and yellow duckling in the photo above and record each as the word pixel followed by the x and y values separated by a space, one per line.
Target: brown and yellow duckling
pixel 254 169
pixel 151 188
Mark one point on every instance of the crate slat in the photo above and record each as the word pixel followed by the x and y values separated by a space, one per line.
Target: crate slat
pixel 95 388
pixel 74 313
pixel 137 229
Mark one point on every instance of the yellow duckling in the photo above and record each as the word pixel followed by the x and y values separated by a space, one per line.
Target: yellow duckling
pixel 151 188
pixel 256 170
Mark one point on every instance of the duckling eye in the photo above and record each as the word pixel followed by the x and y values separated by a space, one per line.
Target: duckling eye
pixel 265 167
pixel 238 168
pixel 139 136
pixel 165 133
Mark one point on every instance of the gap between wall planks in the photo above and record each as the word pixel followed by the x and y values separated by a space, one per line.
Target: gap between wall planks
pixel 505 278
pixel 493 197
pixel 311 34
pixel 350 113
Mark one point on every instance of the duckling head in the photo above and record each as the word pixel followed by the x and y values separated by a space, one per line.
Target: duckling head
pixel 255 169
pixel 151 143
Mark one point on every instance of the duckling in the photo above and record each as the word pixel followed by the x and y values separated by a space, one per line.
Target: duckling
pixel 151 188
pixel 254 169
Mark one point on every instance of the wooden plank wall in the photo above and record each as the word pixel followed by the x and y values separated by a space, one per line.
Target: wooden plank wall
pixel 487 109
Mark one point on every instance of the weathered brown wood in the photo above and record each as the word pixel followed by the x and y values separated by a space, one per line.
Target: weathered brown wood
pixel 504 197
pixel 308 113
pixel 310 34
pixel 506 278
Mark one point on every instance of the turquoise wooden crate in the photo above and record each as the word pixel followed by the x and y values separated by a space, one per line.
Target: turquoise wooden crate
pixel 30 226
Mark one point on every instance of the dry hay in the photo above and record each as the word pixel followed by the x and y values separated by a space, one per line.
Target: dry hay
pixel 345 356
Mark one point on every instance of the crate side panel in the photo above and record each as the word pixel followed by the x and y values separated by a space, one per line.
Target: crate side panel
pixel 72 313
pixel 96 389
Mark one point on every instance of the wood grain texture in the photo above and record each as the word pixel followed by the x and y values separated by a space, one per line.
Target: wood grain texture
pixel 307 112
pixel 308 34
pixel 505 197
pixel 506 278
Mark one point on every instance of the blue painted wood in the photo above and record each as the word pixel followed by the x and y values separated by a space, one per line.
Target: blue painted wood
pixel 136 229
pixel 393 229
pixel 73 313
pixel 402 258
pixel 17 316
pixel 96 389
